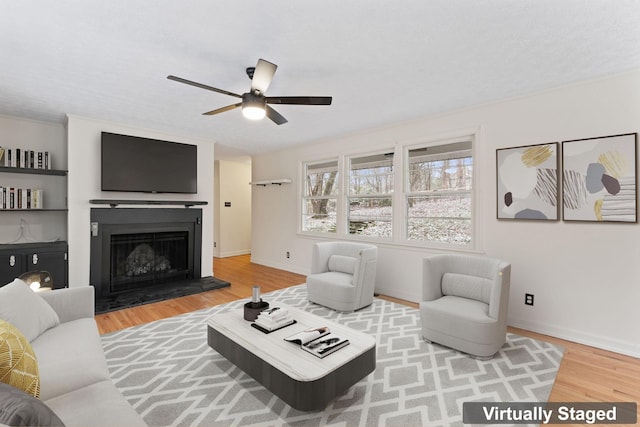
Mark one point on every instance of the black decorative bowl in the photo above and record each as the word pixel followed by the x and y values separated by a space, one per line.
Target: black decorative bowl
pixel 252 309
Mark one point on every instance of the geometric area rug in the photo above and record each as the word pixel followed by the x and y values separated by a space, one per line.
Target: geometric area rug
pixel 172 377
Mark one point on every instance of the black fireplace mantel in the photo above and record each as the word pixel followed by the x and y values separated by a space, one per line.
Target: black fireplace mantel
pixel 115 202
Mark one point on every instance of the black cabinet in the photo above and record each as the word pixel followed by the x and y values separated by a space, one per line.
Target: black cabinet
pixel 16 259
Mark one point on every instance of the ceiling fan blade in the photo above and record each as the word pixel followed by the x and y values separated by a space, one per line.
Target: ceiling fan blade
pixel 276 117
pixel 299 100
pixel 262 76
pixel 202 86
pixel 222 110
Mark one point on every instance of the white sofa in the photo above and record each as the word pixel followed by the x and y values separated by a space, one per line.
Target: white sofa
pixel 74 379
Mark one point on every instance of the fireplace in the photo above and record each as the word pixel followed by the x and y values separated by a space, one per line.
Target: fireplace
pixel 143 259
pixel 136 249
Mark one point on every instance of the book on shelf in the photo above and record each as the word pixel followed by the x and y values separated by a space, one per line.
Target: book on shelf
pixel 24 158
pixel 20 198
pixel 274 318
pixel 320 342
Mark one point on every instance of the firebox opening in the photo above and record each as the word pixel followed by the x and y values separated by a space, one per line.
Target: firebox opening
pixel 143 259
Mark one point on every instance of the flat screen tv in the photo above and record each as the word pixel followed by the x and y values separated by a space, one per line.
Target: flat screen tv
pixel 135 164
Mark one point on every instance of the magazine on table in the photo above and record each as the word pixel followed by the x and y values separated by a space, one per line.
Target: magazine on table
pixel 320 342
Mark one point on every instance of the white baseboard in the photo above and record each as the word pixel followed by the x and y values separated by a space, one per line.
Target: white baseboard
pixel 280 266
pixel 592 340
pixel 233 253
pixel 407 296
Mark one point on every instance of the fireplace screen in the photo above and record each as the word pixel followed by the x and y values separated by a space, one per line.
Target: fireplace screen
pixel 144 259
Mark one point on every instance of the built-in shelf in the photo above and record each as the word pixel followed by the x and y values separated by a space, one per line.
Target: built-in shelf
pixel 115 202
pixel 271 182
pixel 53 198
pixel 32 245
pixel 33 171
pixel 34 210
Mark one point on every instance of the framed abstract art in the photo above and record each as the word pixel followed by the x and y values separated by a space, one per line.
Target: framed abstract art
pixel 600 179
pixel 527 179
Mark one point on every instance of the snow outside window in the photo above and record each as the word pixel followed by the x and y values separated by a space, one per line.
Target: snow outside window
pixel 438 197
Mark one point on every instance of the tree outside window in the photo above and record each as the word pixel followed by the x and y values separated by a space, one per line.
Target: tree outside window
pixel 320 197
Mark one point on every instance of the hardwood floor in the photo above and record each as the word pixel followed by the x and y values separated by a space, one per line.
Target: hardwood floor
pixel 238 270
pixel 586 374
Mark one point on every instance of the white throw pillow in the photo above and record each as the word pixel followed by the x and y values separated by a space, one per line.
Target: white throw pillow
pixel 343 264
pixel 462 285
pixel 26 310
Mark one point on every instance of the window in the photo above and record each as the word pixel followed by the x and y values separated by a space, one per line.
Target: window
pixel 320 197
pixel 438 196
pixel 353 196
pixel 369 196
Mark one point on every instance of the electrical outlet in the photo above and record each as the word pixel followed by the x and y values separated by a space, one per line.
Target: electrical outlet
pixel 288 255
pixel 528 299
pixel 215 244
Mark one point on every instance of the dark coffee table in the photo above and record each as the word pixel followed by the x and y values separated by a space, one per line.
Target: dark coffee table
pixel 300 379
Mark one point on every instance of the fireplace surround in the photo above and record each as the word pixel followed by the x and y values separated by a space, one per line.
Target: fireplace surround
pixel 143 248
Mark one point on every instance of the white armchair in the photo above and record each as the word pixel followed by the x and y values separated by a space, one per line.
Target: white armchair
pixel 465 302
pixel 343 275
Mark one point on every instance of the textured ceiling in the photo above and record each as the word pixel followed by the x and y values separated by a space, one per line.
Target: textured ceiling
pixel 382 61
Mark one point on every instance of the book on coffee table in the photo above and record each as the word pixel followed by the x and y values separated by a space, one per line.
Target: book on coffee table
pixel 273 319
pixel 319 341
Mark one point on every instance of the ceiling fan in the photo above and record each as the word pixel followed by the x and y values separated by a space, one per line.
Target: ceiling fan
pixel 255 105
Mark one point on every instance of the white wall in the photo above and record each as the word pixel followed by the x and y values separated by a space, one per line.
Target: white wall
pixel 233 232
pixel 585 276
pixel 216 208
pixel 84 184
pixel 38 136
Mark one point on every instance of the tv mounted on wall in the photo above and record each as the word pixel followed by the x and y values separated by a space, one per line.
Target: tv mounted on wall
pixel 135 164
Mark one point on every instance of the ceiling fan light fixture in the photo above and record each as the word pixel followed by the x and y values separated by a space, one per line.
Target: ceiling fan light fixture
pixel 253 112
pixel 253 106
